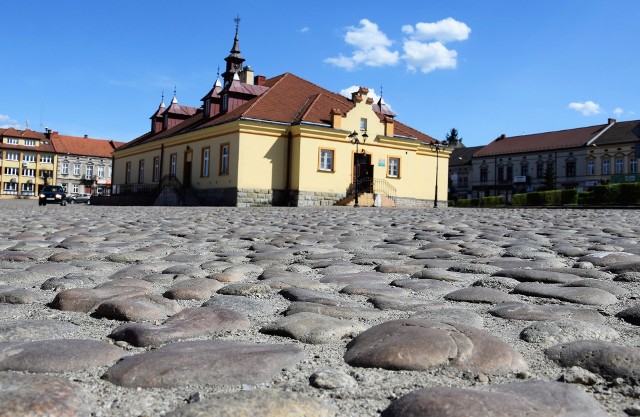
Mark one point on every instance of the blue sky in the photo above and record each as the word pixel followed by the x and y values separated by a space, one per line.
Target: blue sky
pixel 484 68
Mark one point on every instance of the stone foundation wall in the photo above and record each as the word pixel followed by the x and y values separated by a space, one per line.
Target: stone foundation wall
pixel 311 198
pixel 414 202
pixel 256 197
pixel 218 196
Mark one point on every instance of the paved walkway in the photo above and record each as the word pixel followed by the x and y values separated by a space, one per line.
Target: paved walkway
pixel 147 311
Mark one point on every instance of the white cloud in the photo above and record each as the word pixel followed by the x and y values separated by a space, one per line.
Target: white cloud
pixel 588 108
pixel 424 50
pixel 445 30
pixel 7 122
pixel 427 57
pixel 618 111
pixel 371 48
pixel 304 29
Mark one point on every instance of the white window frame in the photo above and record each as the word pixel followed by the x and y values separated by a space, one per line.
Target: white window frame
pixel 88 171
pixel 28 157
pixel 591 167
pixel 224 159
pixel 46 159
pixel 127 177
pixel 393 167
pixel 12 141
pixel 205 161
pixel 173 165
pixel 10 188
pixel 606 167
pixel 100 171
pixel 619 166
pixel 156 168
pixel 29 142
pixel 327 160
pixel 28 172
pixel 64 170
pixel 76 169
pixel 27 189
pixel 13 156
pixel 633 165
pixel 75 188
pixel 141 171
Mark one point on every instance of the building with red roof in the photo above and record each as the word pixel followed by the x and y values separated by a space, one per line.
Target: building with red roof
pixel 577 158
pixel 31 160
pixel 279 141
pixel 84 164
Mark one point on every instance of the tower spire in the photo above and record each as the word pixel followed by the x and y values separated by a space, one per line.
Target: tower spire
pixel 174 100
pixel 235 59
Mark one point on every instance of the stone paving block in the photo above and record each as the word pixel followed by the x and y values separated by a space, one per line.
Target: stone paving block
pixel 189 323
pixel 24 395
pixel 535 398
pixel 417 344
pixel 227 363
pixel 313 328
pixel 57 356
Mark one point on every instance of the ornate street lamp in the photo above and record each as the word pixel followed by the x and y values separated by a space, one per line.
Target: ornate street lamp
pixel 355 140
pixel 437 147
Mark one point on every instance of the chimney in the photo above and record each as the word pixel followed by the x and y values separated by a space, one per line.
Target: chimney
pixel 388 126
pixel 611 121
pixel 259 80
pixel 336 118
pixel 246 76
pixel 47 133
pixel 86 136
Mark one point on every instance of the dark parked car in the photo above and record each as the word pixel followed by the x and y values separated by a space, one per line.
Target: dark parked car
pixel 79 198
pixel 52 194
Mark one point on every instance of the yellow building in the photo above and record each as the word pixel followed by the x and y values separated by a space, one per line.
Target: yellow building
pixel 280 141
pixel 28 162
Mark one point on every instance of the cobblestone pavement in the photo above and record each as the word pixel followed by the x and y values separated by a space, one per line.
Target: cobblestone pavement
pixel 201 311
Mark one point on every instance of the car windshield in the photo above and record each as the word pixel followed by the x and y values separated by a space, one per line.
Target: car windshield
pixel 53 189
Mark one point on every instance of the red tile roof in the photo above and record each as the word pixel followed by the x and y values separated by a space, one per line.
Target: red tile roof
pixel 286 98
pixel 620 132
pixel 74 145
pixel 561 139
pixel 25 134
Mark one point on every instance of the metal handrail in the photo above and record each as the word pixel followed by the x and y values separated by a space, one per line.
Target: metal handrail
pixel 378 186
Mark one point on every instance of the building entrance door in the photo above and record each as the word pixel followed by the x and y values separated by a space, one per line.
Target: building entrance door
pixel 363 170
pixel 186 177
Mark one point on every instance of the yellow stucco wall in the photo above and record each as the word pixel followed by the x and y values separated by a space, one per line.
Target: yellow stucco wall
pixel 263 164
pixel 259 153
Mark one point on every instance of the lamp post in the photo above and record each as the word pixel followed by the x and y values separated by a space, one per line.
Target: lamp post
pixel 355 140
pixel 436 147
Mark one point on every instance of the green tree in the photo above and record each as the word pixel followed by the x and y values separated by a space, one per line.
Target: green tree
pixel 452 137
pixel 549 182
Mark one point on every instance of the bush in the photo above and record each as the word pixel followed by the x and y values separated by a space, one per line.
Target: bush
pixel 535 199
pixel 585 198
pixel 519 200
pixel 493 201
pixel 451 203
pixel 475 202
pixel 629 193
pixel 569 197
pixel 604 195
pixel 552 198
